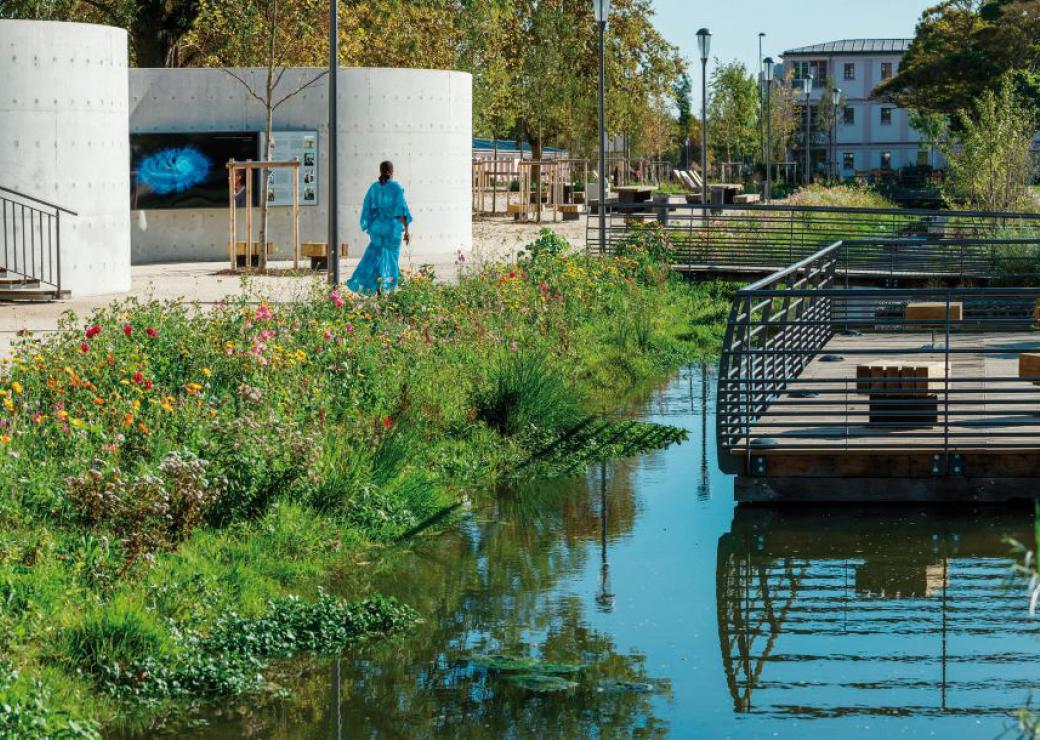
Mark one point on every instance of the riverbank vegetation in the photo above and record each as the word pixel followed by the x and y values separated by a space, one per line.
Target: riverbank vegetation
pixel 177 485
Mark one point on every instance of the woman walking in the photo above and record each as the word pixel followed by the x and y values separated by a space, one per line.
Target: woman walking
pixel 385 218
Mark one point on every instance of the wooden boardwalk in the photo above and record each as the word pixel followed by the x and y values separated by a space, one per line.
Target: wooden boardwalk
pixel 984 441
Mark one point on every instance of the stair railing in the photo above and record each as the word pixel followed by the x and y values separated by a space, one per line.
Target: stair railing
pixel 30 238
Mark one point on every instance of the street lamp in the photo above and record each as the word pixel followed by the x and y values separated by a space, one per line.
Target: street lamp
pixel 767 79
pixel 333 250
pixel 761 98
pixel 602 10
pixel 836 100
pixel 704 45
pixel 807 83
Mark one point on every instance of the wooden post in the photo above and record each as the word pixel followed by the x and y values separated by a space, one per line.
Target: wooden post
pixel 231 212
pixel 295 214
pixel 248 257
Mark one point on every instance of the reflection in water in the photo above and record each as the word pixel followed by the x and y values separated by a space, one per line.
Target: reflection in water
pixel 827 613
pixel 847 622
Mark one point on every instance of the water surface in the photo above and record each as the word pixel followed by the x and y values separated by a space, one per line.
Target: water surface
pixel 689 616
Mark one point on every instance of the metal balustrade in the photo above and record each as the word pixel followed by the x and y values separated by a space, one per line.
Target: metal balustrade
pixel 30 241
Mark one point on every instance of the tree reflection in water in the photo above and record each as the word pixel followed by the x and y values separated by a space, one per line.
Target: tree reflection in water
pixel 826 613
pixel 487 587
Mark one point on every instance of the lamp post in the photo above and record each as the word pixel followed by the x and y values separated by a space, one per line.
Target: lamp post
pixel 602 11
pixel 704 46
pixel 761 98
pixel 807 89
pixel 333 250
pixel 767 80
pixel 836 100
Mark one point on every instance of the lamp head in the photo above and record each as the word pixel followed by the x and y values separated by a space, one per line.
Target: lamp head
pixel 807 85
pixel 704 43
pixel 602 10
pixel 768 68
pixel 836 96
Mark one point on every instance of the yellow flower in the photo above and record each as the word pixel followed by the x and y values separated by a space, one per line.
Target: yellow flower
pixel 78 423
pixel 207 372
pixel 137 405
pixel 9 404
pixel 193 388
pixel 167 405
pixel 17 387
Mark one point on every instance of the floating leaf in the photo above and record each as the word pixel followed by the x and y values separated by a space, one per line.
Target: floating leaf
pixel 541 682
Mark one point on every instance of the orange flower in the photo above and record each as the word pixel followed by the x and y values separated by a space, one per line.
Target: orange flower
pixel 128 419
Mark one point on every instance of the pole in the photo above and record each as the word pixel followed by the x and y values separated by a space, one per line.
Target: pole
pixel 769 140
pixel 602 141
pixel 704 133
pixel 808 145
pixel 333 251
pixel 761 97
pixel 834 144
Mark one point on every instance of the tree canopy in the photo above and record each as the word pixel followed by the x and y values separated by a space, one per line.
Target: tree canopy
pixel 963 48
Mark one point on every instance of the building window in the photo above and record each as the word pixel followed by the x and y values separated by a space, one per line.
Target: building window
pixel 923 158
pixel 886 160
pixel 818 69
pixel 886 70
pixel 886 116
pixel 850 71
pixel 849 161
pixel 849 116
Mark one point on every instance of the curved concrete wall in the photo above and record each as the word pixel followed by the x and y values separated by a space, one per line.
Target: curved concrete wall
pixel 64 138
pixel 420 119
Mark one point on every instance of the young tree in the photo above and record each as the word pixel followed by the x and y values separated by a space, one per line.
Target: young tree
pixel 783 115
pixel 931 126
pixel 733 113
pixel 990 160
pixel 686 121
pixel 264 34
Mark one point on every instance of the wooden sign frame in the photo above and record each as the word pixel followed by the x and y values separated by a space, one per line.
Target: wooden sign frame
pixel 247 168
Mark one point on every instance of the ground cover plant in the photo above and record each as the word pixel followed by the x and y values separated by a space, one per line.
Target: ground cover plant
pixel 176 485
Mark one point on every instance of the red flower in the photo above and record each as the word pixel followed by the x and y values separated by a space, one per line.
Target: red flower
pixel 387 423
pixel 150 331
pixel 93 331
pixel 84 347
pixel 147 385
pixel 138 378
pixel 127 329
pixel 512 274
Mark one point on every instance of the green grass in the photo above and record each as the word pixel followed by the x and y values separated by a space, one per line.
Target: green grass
pixel 183 466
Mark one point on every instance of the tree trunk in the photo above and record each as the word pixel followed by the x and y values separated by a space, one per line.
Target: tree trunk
pixel 268 126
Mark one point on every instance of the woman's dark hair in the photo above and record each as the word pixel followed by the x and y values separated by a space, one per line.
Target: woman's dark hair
pixel 386 171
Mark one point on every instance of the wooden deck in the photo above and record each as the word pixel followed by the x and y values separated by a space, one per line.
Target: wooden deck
pixel 987 447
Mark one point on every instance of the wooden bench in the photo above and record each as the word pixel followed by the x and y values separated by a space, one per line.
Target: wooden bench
pixel 516 210
pixel 1029 367
pixel 317 252
pixel 240 253
pixel 902 394
pixel 745 198
pixel 932 312
pixel 569 211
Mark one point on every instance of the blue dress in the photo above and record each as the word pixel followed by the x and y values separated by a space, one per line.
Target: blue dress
pixel 381 216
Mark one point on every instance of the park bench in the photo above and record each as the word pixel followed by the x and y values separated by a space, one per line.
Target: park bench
pixel 569 211
pixel 254 251
pixel 746 198
pixel 317 253
pixel 902 393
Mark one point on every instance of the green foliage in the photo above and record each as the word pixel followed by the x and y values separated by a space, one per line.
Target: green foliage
pixel 991 164
pixel 734 113
pixel 524 392
pixel 548 244
pixel 27 711
pixel 117 633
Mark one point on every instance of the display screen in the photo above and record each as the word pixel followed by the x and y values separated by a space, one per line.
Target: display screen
pixel 188 170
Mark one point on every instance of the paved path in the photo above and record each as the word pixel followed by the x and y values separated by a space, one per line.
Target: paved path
pixel 204 281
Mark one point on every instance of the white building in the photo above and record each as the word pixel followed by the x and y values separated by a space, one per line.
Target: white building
pixel 870 134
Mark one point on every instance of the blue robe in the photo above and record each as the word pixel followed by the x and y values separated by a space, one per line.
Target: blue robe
pixel 381 216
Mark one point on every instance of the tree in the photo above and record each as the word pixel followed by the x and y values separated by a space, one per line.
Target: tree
pixel 686 122
pixel 783 114
pixel 964 47
pixel 931 126
pixel 733 113
pixel 990 159
pixel 155 28
pixel 265 34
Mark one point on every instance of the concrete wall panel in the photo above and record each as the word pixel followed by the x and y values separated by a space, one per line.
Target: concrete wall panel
pixel 63 138
pixel 420 119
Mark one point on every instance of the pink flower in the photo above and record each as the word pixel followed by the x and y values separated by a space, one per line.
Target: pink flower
pixel 93 331
pixel 327 335
pixel 127 329
pixel 150 331
pixel 263 312
pixel 337 301
pixel 349 327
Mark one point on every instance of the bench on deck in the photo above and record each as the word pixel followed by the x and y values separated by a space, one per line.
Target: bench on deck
pixel 746 198
pixel 902 394
pixel 317 252
pixel 254 251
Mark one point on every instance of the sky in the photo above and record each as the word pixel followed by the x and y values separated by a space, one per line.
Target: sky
pixel 735 25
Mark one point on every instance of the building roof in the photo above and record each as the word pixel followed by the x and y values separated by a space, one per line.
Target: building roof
pixel 852 46
pixel 507 145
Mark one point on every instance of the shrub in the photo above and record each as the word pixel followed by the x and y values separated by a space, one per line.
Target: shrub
pixel 548 244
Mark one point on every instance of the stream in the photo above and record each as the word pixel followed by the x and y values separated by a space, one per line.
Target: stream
pixel 638 600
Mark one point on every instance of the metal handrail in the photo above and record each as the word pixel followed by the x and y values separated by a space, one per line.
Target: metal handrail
pixel 30 239
pixel 39 201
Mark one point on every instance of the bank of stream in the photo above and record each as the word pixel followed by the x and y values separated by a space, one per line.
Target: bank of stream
pixel 636 599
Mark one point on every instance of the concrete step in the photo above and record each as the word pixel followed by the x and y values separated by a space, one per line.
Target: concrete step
pixel 31 295
pixel 18 282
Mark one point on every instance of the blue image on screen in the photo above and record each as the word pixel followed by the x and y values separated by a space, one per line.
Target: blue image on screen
pixel 174 170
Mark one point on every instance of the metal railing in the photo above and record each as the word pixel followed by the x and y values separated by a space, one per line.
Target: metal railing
pixel 764 238
pixel 30 239
pixel 811 364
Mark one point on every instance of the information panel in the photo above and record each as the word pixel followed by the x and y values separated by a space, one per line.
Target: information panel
pixel 288 146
